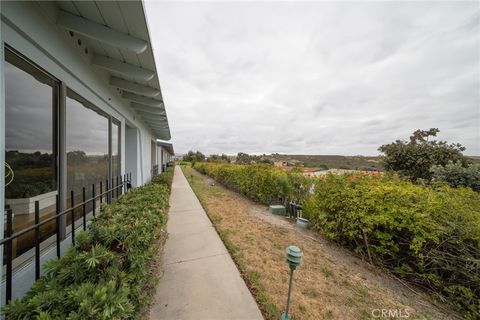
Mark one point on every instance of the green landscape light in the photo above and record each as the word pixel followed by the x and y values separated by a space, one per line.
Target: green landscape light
pixel 294 256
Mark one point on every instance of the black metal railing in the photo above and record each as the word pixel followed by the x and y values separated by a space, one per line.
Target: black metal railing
pixel 122 185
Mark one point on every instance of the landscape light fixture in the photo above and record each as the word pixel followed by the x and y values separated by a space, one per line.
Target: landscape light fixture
pixel 294 256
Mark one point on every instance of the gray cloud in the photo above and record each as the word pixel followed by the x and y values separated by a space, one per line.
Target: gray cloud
pixel 320 78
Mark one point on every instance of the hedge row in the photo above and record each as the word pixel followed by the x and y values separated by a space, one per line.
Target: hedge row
pixel 261 182
pixel 165 178
pixel 428 235
pixel 106 274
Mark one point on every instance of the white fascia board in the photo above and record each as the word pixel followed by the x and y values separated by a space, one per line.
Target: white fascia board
pixel 133 87
pixel 147 109
pixel 123 68
pixel 100 32
pixel 141 99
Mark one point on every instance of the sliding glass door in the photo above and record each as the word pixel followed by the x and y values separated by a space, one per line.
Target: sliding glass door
pixel 30 143
pixel 86 145
pixel 41 162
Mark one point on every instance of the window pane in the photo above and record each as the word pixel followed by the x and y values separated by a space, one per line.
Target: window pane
pixel 153 148
pixel 115 149
pixel 87 146
pixel 29 145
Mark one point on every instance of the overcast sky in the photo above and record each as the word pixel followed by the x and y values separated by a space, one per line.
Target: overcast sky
pixel 317 78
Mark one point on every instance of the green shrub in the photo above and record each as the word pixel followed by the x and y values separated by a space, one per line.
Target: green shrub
pixel 429 235
pixel 260 182
pixel 457 175
pixel 323 166
pixel 105 275
pixel 165 178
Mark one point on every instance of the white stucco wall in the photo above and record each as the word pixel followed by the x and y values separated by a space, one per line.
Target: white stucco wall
pixel 29 28
pixel 2 147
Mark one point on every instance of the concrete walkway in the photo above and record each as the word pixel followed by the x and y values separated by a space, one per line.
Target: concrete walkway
pixel 200 280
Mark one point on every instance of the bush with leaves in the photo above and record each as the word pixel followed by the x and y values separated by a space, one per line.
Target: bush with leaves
pixel 193 157
pixel 223 158
pixel 428 235
pixel 457 175
pixel 165 178
pixel 260 182
pixel 105 275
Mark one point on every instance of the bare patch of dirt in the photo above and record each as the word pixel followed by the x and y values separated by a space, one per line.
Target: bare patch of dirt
pixel 331 282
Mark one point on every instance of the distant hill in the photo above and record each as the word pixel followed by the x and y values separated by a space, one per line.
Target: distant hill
pixel 476 159
pixel 331 161
pixel 337 161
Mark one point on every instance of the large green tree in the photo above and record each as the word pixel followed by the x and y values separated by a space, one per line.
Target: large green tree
pixel 414 159
pixel 192 156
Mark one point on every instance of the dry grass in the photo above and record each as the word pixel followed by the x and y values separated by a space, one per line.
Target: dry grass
pixel 331 283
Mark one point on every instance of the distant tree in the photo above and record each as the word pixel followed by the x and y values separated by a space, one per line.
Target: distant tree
pixel 213 158
pixel 189 156
pixel 244 158
pixel 413 159
pixel 77 157
pixel 199 156
pixel 218 158
pixel 457 175
pixel 225 158
pixel 193 157
pixel 323 166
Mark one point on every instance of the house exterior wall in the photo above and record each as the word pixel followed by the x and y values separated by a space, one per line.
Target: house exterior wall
pixel 29 28
pixel 2 146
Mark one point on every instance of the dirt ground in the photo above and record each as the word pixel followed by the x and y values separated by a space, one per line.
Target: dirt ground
pixel 331 282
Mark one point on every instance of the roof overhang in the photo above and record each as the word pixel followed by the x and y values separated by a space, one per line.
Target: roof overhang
pixel 117 35
pixel 167 146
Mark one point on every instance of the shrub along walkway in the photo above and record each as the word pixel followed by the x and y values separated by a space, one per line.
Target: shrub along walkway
pixel 200 280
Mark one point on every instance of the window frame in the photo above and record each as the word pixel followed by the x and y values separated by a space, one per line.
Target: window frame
pixel 55 108
pixel 113 121
pixel 89 105
pixel 60 92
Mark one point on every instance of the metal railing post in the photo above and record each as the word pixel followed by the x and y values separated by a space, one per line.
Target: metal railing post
pixel 9 254
pixel 37 240
pixel 58 226
pixel 93 199
pixel 84 209
pixel 72 204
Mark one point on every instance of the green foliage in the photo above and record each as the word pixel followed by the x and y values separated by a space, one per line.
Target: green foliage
pixel 194 156
pixel 413 159
pixel 165 178
pixel 245 158
pixel 457 175
pixel 260 182
pixel 104 275
pixel 33 174
pixel 223 158
pixel 429 235
pixel 323 166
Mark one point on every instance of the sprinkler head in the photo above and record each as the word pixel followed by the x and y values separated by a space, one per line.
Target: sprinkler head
pixel 294 256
